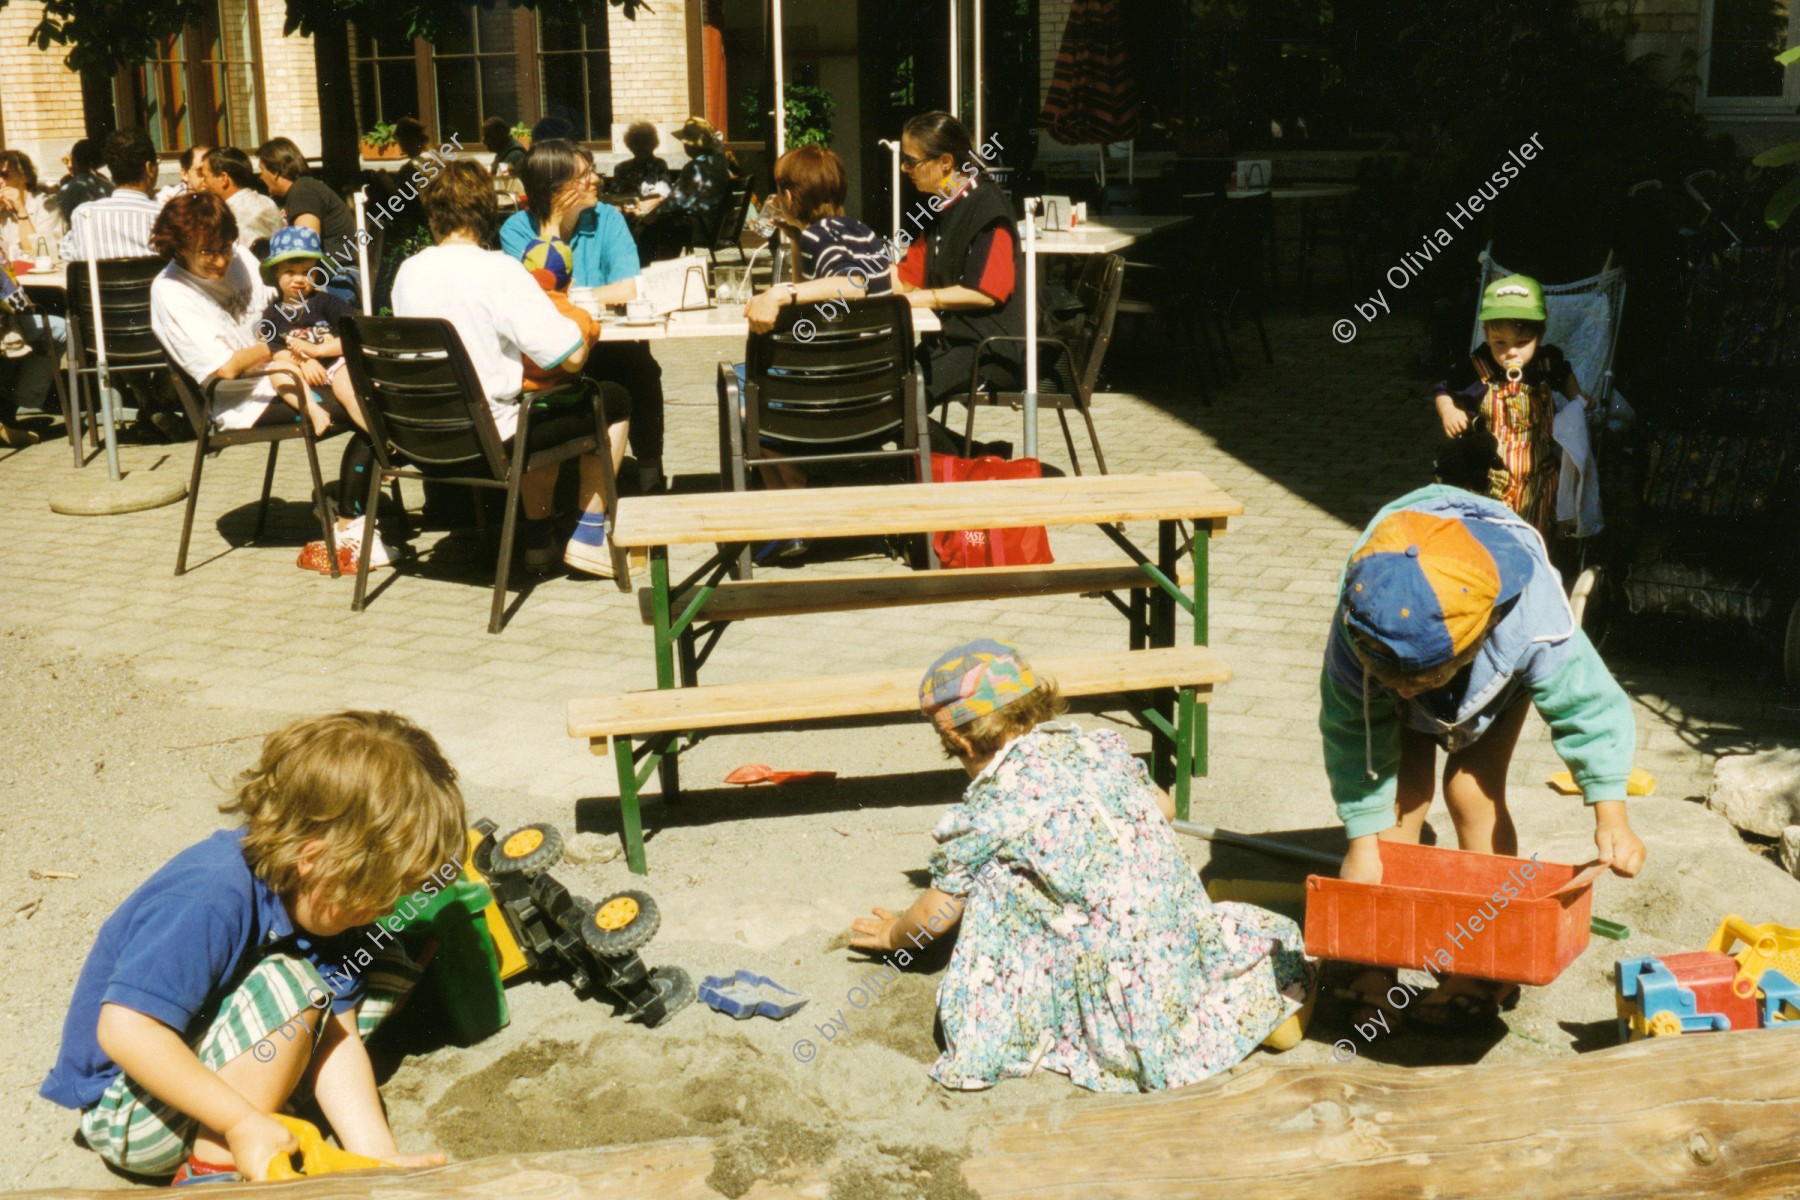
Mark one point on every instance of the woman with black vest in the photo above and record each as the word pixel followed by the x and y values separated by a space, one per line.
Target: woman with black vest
pixel 964 260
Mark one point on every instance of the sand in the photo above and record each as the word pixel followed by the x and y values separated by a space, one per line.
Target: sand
pixel 107 776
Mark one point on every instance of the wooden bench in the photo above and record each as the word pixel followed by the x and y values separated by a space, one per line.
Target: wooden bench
pixel 752 599
pixel 656 718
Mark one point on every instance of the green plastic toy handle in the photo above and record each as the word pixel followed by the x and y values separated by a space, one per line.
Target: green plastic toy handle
pixel 1608 929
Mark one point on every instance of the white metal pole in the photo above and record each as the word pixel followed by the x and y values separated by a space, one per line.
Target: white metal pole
pixel 980 115
pixel 1029 398
pixel 780 84
pixel 955 59
pixel 894 155
pixel 102 376
pixel 362 252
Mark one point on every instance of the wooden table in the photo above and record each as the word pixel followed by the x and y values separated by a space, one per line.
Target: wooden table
pixel 715 322
pixel 729 522
pixel 1107 236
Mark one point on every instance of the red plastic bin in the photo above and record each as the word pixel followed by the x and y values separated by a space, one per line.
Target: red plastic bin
pixel 1423 908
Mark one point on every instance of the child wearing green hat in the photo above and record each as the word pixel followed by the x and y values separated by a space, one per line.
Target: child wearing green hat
pixel 1497 408
pixel 1087 945
pixel 1451 624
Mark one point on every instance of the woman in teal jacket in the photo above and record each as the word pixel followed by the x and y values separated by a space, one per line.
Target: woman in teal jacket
pixel 1450 624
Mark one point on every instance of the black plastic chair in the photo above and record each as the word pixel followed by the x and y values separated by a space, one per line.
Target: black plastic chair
pixel 425 408
pixel 834 390
pixel 122 323
pixel 727 230
pixel 197 401
pixel 1068 366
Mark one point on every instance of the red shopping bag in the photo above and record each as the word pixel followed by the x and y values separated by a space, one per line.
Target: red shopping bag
pixel 989 547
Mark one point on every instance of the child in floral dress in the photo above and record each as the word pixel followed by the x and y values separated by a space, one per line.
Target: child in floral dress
pixel 1088 945
pixel 1498 409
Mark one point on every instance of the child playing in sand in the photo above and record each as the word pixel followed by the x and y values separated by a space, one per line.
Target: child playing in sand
pixel 1088 945
pixel 201 1008
pixel 1511 455
pixel 1451 624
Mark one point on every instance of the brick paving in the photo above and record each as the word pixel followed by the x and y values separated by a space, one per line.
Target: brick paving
pixel 1311 446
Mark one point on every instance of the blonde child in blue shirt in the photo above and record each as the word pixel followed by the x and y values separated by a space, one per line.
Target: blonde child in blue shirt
pixel 202 1008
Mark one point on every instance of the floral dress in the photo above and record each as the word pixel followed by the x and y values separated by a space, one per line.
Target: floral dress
pixel 1088 945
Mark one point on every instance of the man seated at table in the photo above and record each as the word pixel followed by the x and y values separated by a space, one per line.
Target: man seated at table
pixel 228 173
pixel 118 226
pixel 192 177
pixel 84 181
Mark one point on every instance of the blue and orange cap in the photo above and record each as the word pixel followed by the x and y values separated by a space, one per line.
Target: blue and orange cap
pixel 974 679
pixel 1419 591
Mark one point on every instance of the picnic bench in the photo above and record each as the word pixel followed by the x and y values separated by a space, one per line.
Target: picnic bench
pixel 1164 684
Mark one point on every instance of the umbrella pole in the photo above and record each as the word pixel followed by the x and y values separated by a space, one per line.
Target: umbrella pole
pixel 955 59
pixel 780 84
pixel 362 250
pixel 1029 399
pixel 978 70
pixel 894 157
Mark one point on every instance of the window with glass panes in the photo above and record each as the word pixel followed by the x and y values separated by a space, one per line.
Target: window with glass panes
pixel 476 72
pixel 201 86
pixel 575 70
pixel 1738 68
pixel 385 72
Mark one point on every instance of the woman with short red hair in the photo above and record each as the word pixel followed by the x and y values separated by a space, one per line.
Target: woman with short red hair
pixel 205 309
pixel 840 257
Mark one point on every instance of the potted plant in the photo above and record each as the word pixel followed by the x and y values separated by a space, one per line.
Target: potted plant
pixel 378 142
pixel 521 134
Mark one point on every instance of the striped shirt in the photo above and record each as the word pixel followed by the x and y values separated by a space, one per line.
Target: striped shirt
pixel 833 246
pixel 119 225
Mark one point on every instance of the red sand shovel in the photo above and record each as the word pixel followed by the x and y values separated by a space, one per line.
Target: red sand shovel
pixel 754 773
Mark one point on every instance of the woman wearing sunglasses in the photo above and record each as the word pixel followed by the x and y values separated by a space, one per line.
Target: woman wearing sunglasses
pixel 964 261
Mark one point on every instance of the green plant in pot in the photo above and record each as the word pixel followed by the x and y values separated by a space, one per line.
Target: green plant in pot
pixel 379 142
pixel 521 133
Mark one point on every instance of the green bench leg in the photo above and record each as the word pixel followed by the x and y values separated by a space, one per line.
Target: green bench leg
pixel 1184 741
pixel 628 806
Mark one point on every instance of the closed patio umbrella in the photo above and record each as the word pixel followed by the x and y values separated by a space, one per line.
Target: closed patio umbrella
pixel 1093 94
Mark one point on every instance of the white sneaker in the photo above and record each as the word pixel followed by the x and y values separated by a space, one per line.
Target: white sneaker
pixel 587 550
pixel 349 546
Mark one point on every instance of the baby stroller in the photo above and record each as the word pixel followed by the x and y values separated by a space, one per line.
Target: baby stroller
pixel 1582 318
pixel 1706 527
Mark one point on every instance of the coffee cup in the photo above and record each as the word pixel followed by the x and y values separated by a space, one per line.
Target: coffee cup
pixel 639 310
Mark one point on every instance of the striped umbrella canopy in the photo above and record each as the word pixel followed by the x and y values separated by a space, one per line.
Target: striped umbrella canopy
pixel 1094 93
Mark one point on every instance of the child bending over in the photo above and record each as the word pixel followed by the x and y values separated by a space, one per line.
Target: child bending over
pixel 202 1008
pixel 1451 625
pixel 1088 945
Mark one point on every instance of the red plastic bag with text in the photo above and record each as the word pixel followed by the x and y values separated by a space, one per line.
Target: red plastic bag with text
pixel 989 547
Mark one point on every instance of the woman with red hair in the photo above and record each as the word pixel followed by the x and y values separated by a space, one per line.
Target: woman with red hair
pixel 206 308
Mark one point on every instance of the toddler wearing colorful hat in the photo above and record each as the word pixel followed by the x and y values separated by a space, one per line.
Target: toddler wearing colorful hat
pixel 1498 410
pixel 1451 624
pixel 1085 942
pixel 303 320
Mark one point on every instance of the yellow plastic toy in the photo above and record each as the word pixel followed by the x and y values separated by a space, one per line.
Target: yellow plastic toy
pixel 1640 783
pixel 1764 947
pixel 317 1156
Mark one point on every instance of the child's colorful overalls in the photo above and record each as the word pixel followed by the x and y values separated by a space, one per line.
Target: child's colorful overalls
pixel 1521 417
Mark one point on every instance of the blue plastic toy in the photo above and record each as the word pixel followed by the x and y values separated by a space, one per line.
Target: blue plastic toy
pixel 745 994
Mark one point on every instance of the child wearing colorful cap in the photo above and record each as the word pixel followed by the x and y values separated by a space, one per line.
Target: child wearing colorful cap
pixel 1497 408
pixel 1087 944
pixel 1451 624
pixel 303 320
pixel 552 264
